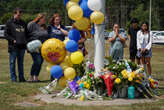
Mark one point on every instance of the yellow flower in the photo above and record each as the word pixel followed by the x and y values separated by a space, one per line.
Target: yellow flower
pixel 141 69
pixel 82 98
pixel 151 80
pixel 113 76
pixel 130 78
pixel 123 72
pixel 125 75
pixel 132 74
pixel 138 81
pixel 85 83
pixel 117 80
pixel 87 86
pixel 79 82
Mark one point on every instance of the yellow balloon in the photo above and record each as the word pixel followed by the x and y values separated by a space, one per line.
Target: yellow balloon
pixel 75 12
pixel 48 68
pixel 53 51
pixel 69 73
pixel 75 1
pixel 77 57
pixel 66 40
pixel 64 65
pixel 67 60
pixel 97 17
pixel 62 82
pixel 82 24
pixel 70 4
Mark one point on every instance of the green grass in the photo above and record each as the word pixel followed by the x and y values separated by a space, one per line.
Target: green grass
pixel 11 93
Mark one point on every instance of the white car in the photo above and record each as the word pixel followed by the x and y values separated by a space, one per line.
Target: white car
pixel 158 38
pixel 2 30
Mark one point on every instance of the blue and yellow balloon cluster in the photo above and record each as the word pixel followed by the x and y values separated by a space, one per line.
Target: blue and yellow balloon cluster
pixel 84 12
pixel 61 56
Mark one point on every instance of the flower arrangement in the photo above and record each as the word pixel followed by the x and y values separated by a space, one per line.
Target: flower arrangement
pixel 116 79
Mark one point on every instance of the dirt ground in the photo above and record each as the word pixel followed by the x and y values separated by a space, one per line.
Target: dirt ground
pixel 51 99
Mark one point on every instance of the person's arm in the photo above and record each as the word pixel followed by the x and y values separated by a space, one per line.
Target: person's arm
pixel 63 30
pixel 149 45
pixel 138 42
pixel 32 32
pixel 122 38
pixel 112 37
pixel 82 39
pixel 8 33
pixel 129 37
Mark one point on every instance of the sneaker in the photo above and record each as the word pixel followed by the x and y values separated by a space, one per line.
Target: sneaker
pixel 31 79
pixel 22 80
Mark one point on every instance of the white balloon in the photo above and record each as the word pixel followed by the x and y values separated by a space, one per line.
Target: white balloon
pixel 95 5
pixel 34 46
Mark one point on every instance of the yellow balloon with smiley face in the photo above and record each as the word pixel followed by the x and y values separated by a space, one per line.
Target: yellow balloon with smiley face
pixel 53 51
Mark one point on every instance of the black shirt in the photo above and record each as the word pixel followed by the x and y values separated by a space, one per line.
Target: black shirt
pixel 133 37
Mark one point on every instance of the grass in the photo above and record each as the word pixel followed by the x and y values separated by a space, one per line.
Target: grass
pixel 11 93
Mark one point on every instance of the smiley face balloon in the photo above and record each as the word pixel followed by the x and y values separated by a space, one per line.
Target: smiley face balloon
pixel 53 51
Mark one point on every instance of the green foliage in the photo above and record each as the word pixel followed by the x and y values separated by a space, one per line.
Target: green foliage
pixel 140 14
pixel 5 17
pixel 117 67
pixel 143 15
pixel 80 70
pixel 132 65
pixel 28 17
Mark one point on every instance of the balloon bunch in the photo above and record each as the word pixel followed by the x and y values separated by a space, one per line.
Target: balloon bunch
pixel 84 12
pixel 61 56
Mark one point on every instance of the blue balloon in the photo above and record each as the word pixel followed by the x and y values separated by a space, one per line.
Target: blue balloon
pixel 74 34
pixel 80 2
pixel 65 2
pixel 72 46
pixel 92 30
pixel 86 11
pixel 56 72
pixel 76 78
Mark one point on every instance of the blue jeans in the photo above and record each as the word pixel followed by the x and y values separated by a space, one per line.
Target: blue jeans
pixel 37 64
pixel 19 55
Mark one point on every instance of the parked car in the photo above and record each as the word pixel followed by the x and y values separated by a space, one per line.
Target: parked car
pixel 153 32
pixel 2 31
pixel 158 37
pixel 68 27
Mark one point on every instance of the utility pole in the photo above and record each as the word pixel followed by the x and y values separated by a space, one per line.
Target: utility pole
pixel 150 15
pixel 99 44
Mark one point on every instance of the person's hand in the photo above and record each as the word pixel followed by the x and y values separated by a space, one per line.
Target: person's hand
pixel 144 50
pixel 59 27
pixel 14 41
pixel 117 34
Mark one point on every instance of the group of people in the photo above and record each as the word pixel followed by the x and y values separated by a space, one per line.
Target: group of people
pixel 140 43
pixel 18 34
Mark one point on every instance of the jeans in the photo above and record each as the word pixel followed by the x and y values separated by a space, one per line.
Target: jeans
pixel 19 55
pixel 37 64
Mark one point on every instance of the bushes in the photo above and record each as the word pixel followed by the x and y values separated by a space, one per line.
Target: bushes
pixel 26 17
